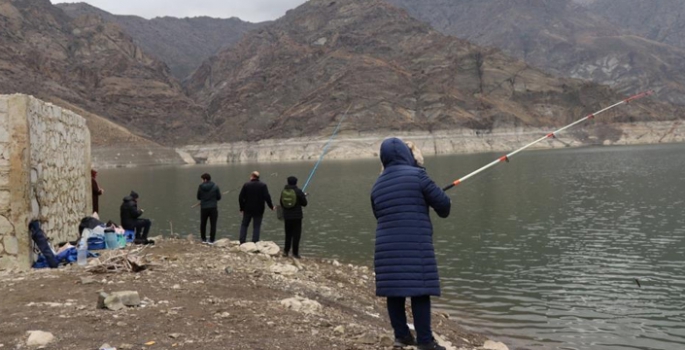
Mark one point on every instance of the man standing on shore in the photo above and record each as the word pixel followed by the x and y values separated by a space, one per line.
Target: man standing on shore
pixel 209 195
pixel 97 190
pixel 251 199
pixel 292 201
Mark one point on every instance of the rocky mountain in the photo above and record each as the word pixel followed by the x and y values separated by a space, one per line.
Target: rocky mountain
pixel 297 75
pixel 182 43
pixel 662 21
pixel 91 64
pixel 564 38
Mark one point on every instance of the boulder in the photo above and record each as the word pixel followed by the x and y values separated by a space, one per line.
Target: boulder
pixel 303 305
pixel 249 248
pixel 223 243
pixel 39 338
pixel 493 345
pixel 269 248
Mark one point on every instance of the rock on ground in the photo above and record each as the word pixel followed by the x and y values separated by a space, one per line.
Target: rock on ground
pixel 268 248
pixel 303 305
pixel 39 338
pixel 248 248
pixel 493 345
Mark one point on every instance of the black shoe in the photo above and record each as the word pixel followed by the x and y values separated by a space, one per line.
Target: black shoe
pixel 297 256
pixel 432 346
pixel 149 242
pixel 404 342
pixel 139 241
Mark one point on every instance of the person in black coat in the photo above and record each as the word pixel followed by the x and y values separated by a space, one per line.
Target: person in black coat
pixel 131 220
pixel 96 190
pixel 404 259
pixel 292 215
pixel 209 195
pixel 252 198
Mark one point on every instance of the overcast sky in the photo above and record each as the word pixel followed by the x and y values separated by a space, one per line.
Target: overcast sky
pixel 247 10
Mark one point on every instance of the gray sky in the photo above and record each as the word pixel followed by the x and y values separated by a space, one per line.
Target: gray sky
pixel 247 10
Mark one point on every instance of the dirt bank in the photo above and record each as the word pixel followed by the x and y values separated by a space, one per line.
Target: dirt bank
pixel 200 297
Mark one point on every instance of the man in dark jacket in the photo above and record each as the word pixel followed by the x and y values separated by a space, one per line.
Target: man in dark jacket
pixel 97 190
pixel 292 200
pixel 209 195
pixel 131 220
pixel 404 261
pixel 251 199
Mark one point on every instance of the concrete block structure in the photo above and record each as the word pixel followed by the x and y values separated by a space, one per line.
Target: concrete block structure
pixel 44 174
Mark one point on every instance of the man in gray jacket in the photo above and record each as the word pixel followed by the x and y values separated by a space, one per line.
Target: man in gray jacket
pixel 209 195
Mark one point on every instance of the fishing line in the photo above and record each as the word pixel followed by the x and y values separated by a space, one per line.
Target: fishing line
pixel 551 135
pixel 316 166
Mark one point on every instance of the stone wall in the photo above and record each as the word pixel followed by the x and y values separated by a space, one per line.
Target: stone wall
pixel 44 174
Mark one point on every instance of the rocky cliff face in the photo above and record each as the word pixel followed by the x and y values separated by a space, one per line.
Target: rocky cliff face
pixel 662 21
pixel 93 65
pixel 564 38
pixel 296 77
pixel 182 43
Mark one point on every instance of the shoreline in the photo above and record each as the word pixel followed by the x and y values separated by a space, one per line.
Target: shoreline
pixel 200 297
pixel 365 145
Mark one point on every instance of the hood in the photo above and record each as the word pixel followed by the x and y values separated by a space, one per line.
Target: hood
pixel 207 186
pixel 128 199
pixel 395 152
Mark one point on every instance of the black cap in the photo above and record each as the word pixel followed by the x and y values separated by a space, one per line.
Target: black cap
pixel 292 180
pixel 134 195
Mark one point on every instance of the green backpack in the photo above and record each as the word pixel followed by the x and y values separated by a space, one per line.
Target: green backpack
pixel 288 198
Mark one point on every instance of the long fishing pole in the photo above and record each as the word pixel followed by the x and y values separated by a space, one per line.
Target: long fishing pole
pixel 335 132
pixel 548 136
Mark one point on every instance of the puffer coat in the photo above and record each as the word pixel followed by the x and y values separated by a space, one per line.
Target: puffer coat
pixel 404 259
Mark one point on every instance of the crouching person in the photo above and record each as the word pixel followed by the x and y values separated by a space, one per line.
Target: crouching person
pixel 131 220
pixel 404 260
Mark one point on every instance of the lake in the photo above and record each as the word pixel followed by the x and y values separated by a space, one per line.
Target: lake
pixel 566 249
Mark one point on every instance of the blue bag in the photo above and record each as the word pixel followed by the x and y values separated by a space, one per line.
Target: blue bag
pixel 38 236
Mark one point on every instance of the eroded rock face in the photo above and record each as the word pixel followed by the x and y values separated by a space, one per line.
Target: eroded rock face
pixel 566 39
pixel 91 64
pixel 183 43
pixel 393 72
pixel 662 21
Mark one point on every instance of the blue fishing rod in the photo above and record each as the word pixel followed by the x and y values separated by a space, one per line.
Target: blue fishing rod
pixel 325 149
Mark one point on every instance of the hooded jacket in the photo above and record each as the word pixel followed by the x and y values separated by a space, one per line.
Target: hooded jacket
pixel 209 195
pixel 404 259
pixel 129 213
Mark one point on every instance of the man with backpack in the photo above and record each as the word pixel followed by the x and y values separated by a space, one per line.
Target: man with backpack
pixel 292 201
pixel 251 200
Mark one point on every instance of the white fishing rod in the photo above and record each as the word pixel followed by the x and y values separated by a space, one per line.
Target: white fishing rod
pixel 549 136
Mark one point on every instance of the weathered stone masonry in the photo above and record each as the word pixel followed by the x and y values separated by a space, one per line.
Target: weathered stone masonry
pixel 44 174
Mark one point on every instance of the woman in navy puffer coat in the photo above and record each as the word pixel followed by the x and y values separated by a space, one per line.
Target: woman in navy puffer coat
pixel 405 261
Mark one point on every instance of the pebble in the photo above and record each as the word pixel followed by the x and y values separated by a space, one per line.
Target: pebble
pixel 340 330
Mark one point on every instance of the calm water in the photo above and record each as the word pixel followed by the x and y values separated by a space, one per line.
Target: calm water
pixel 542 253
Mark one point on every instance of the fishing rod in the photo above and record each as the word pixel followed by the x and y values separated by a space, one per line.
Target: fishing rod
pixel 548 136
pixel 335 132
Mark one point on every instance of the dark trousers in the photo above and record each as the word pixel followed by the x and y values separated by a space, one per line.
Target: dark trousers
pixel 211 214
pixel 257 226
pixel 421 309
pixel 293 232
pixel 142 228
